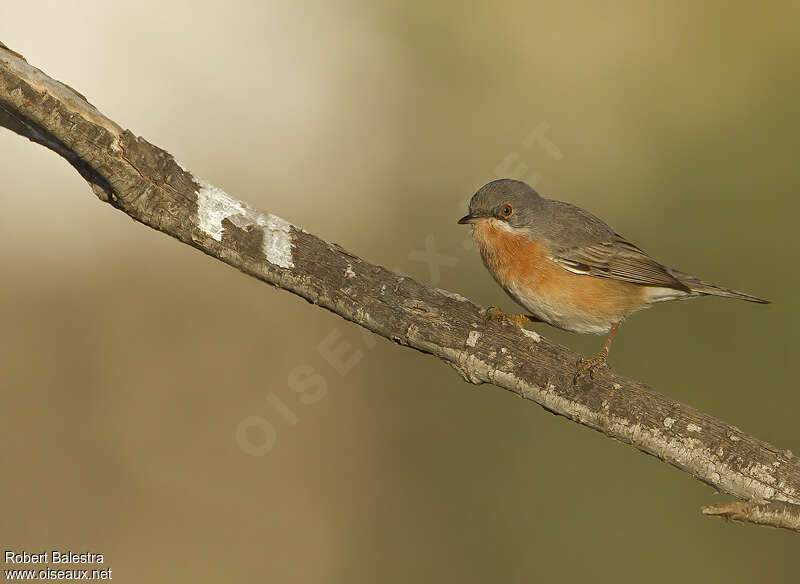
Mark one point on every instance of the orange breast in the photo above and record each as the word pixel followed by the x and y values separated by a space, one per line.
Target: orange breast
pixel 564 299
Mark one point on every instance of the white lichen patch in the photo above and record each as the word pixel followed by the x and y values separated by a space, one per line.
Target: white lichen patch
pixel 473 337
pixel 762 472
pixel 452 295
pixel 668 422
pixel 361 315
pixel 693 428
pixel 215 205
pixel 349 273
pixel 533 335
pixel 277 243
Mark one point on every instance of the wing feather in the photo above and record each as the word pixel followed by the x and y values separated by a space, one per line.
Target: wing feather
pixel 617 259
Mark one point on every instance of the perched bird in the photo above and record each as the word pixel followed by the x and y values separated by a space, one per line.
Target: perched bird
pixel 568 268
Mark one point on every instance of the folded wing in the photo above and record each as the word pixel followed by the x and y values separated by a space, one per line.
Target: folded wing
pixel 618 259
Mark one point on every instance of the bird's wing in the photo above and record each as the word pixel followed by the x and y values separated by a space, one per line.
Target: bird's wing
pixel 617 259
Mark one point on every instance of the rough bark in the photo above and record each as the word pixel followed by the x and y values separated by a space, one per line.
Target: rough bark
pixel 147 184
pixel 775 514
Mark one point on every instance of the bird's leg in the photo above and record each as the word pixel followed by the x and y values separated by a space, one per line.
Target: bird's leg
pixel 598 361
pixel 495 313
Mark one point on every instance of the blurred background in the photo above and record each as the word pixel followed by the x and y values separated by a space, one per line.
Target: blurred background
pixel 148 409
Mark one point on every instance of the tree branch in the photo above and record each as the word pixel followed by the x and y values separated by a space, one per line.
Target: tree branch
pixel 147 184
pixel 776 514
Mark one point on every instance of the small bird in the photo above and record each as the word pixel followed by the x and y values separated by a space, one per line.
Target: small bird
pixel 568 268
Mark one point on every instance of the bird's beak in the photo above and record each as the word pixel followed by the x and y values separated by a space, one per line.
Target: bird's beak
pixel 468 219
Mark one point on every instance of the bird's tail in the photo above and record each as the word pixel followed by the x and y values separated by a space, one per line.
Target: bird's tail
pixel 698 287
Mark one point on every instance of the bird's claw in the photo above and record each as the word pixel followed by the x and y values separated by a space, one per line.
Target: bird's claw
pixel 591 365
pixel 495 313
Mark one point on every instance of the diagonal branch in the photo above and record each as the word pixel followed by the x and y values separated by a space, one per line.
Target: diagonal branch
pixel 147 184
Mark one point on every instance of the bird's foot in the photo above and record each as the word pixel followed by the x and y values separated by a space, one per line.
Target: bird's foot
pixel 591 365
pixel 495 313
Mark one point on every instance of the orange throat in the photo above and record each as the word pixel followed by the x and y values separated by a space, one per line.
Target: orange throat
pixel 507 255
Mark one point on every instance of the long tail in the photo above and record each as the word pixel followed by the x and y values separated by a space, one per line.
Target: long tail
pixel 698 287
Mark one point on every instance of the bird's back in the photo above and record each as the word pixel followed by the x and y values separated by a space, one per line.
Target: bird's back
pixel 585 244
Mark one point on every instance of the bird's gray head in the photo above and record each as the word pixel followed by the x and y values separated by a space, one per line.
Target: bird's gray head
pixel 507 200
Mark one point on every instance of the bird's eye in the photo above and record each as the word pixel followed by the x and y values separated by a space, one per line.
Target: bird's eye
pixel 506 211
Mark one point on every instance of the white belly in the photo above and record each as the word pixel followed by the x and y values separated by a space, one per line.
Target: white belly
pixel 557 313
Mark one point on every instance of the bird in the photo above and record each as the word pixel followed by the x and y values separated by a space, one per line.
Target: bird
pixel 570 269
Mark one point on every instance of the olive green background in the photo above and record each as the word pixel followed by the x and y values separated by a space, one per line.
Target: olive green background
pixel 129 361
